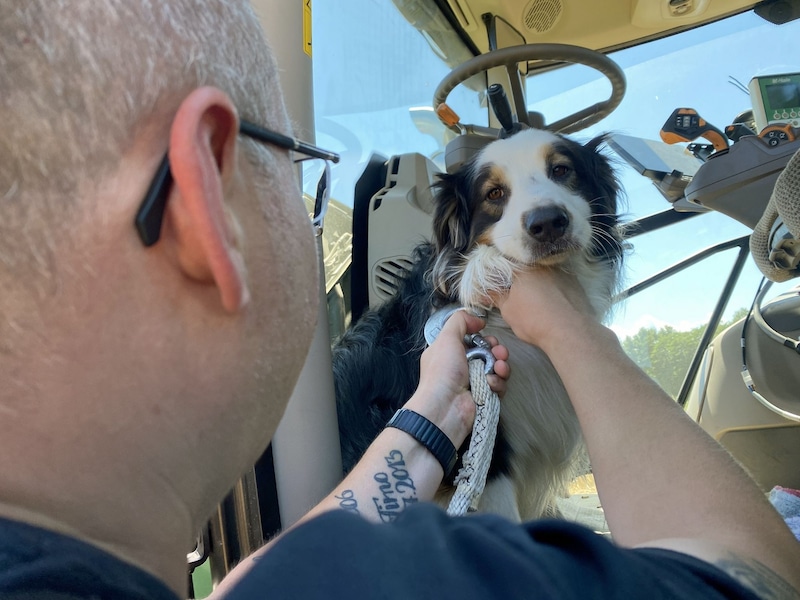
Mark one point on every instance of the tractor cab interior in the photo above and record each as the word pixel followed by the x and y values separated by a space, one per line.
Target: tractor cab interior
pixel 700 102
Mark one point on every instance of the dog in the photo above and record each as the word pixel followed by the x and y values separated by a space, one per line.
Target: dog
pixel 532 199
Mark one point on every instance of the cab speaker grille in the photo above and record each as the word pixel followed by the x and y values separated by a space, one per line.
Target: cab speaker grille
pixel 541 16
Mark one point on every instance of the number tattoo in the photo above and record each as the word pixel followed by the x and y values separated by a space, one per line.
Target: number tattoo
pixel 396 488
pixel 348 502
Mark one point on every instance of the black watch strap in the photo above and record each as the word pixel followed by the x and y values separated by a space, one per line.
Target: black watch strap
pixel 427 434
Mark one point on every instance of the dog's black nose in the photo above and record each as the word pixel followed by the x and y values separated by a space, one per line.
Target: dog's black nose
pixel 547 224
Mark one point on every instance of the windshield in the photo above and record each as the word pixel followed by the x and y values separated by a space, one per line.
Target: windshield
pixel 374 78
pixel 704 69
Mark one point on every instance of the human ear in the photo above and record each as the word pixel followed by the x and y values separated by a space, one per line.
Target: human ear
pixel 200 224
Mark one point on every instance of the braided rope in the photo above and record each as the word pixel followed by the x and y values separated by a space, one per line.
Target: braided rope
pixel 471 479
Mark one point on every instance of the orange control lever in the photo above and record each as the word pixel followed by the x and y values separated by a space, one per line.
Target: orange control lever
pixel 685 125
pixel 447 115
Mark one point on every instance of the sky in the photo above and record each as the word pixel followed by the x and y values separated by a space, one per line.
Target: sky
pixel 371 67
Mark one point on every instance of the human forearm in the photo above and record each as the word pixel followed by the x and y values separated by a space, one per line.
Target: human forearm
pixel 394 473
pixel 397 471
pixel 661 479
pixel 646 453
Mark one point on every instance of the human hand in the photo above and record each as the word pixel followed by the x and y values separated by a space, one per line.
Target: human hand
pixel 544 304
pixel 443 394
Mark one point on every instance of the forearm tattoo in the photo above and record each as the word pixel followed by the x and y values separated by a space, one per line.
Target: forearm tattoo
pixel 347 501
pixel 396 488
pixel 759 578
pixel 394 492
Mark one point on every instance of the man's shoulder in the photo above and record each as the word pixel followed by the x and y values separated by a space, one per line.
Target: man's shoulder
pixel 41 564
pixel 425 553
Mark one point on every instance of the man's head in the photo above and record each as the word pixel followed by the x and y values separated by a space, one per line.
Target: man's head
pixel 82 80
pixel 143 378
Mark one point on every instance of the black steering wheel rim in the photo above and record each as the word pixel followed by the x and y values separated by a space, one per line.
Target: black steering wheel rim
pixel 509 57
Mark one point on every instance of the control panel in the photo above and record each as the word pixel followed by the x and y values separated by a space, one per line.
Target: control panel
pixel 776 100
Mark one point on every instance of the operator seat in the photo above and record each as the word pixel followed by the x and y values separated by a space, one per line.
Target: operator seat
pixel 388 225
pixel 391 220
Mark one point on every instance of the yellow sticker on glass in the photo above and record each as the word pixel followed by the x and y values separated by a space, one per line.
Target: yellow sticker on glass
pixel 307 26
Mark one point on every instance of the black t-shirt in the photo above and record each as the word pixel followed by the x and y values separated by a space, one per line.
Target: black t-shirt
pixel 424 554
pixel 36 564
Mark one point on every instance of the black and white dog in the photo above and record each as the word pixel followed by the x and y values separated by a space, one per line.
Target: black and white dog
pixel 535 198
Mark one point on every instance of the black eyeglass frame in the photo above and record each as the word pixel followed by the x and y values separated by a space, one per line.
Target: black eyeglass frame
pixel 150 215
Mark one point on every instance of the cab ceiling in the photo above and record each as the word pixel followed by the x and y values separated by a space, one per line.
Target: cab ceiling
pixel 596 24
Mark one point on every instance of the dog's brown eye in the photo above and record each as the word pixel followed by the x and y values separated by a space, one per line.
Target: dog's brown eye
pixel 559 171
pixel 495 194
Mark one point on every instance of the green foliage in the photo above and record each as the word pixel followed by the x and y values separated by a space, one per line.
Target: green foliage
pixel 665 353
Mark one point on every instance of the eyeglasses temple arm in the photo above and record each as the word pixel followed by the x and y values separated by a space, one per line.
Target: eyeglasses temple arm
pixel 151 213
pixel 284 141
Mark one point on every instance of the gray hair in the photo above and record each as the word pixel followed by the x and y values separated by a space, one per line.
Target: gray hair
pixel 80 79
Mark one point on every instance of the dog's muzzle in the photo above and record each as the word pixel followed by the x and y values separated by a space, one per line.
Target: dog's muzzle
pixel 547 224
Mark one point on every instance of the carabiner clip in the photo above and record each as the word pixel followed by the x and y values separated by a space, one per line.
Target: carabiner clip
pixel 477 347
pixel 480 349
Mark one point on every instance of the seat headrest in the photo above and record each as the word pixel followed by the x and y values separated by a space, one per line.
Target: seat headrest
pixel 784 206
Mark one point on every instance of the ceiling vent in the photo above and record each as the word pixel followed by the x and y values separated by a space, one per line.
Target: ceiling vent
pixel 540 16
pixel 666 13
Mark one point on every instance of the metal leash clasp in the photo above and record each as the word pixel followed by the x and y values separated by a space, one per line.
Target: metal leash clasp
pixel 480 349
pixel 477 346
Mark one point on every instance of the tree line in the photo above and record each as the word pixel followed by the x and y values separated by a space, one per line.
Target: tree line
pixel 665 353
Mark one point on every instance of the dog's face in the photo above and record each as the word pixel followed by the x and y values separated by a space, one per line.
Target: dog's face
pixel 535 198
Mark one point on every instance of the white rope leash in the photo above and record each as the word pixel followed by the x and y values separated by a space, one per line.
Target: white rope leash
pixel 471 479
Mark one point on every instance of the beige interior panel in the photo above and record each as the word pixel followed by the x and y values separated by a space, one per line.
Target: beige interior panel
pixel 770 454
pixel 766 444
pixel 592 24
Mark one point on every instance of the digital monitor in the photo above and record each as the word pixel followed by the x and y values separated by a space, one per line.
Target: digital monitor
pixel 776 99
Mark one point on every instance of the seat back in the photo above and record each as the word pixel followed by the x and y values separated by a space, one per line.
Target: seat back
pixel 400 217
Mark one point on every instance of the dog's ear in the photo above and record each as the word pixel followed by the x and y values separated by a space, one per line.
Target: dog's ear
pixel 451 215
pixel 605 204
pixel 450 233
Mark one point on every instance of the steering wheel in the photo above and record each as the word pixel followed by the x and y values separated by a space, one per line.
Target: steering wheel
pixel 509 57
